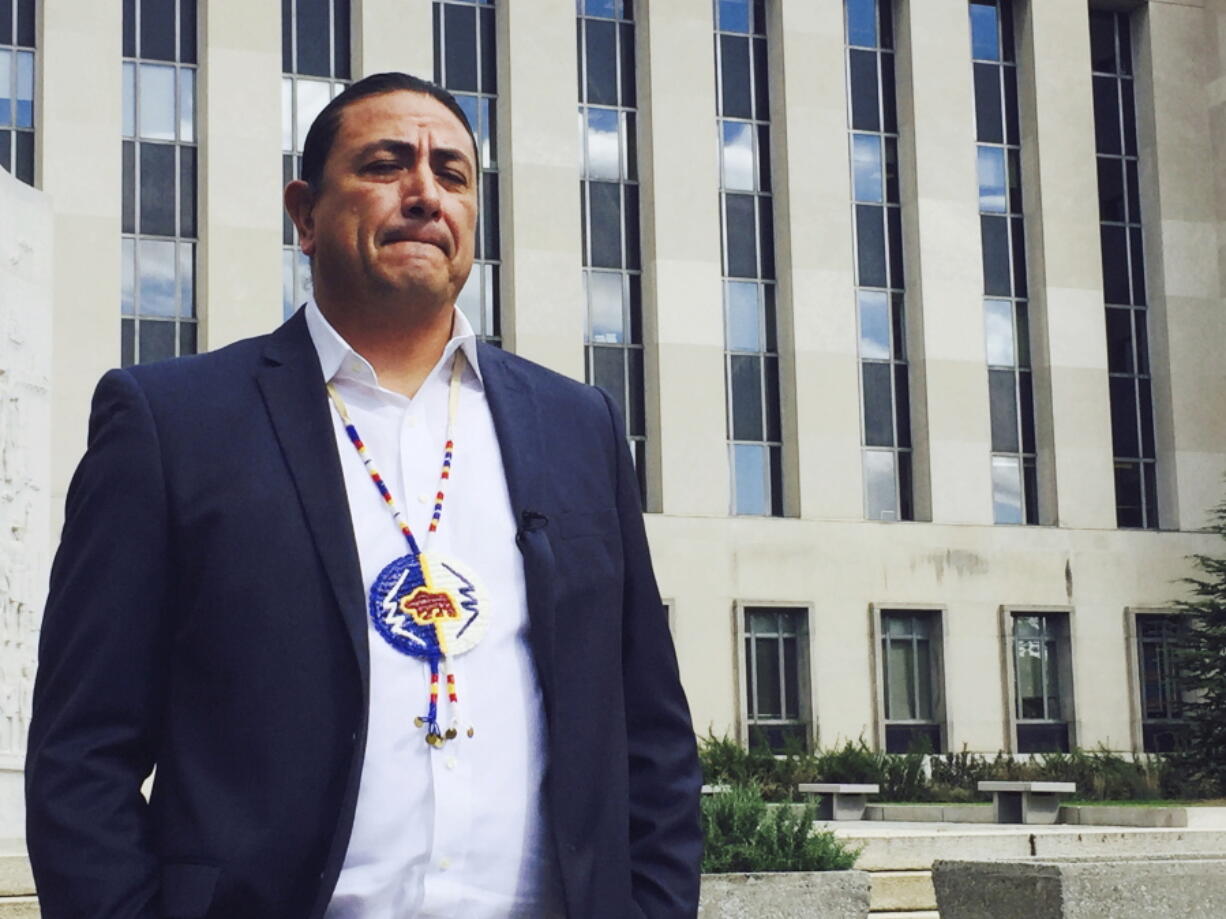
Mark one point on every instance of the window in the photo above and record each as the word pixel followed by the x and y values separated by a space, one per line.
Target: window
pixel 911 680
pixel 315 65
pixel 1161 683
pixel 1123 259
pixel 158 291
pixel 465 63
pixel 609 196
pixel 1042 682
pixel 17 88
pixel 777 677
pixel 748 234
pixel 880 286
pixel 1003 235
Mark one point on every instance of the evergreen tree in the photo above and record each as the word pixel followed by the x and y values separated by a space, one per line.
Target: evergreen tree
pixel 1204 666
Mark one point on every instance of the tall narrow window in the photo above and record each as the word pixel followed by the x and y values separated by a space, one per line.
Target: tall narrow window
pixel 1042 682
pixel 315 65
pixel 1002 232
pixel 17 88
pixel 465 62
pixel 1123 257
pixel 777 677
pixel 911 680
pixel 748 236
pixel 880 285
pixel 609 193
pixel 159 180
pixel 1161 683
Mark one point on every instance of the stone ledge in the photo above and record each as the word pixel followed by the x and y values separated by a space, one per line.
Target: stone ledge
pixel 902 890
pixel 1144 887
pixel 19 908
pixel 785 895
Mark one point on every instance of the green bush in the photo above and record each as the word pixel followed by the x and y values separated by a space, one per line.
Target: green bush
pixel 743 833
pixel 951 777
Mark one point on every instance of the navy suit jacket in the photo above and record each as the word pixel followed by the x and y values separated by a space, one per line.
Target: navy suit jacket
pixel 207 616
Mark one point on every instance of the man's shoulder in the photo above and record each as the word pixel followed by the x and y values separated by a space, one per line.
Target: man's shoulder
pixel 541 381
pixel 219 373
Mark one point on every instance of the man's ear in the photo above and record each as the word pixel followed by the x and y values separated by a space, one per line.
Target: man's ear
pixel 300 205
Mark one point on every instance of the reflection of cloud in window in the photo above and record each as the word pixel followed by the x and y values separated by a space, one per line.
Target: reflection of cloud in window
pixel 157 278
pixel 998 327
pixel 866 161
pixel 738 156
pixel 603 146
pixel 992 180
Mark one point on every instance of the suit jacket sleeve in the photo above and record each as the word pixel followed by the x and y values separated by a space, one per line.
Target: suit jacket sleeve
pixel 665 779
pixel 101 679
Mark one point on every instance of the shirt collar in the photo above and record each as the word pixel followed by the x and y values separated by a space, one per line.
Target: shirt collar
pixel 338 359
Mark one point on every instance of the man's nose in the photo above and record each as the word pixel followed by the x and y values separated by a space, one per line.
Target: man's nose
pixel 420 193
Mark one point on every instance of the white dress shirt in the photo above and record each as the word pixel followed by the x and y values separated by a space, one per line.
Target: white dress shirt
pixel 457 831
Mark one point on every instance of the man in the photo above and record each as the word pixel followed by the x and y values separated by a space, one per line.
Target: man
pixel 267 590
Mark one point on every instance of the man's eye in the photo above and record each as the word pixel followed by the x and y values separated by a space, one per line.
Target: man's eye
pixel 383 166
pixel 456 177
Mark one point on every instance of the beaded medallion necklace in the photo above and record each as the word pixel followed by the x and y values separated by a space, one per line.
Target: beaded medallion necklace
pixel 423 605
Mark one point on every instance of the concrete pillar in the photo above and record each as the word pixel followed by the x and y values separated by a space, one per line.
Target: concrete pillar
pixel 393 35
pixel 944 270
pixel 78 162
pixel 26 286
pixel 538 145
pixel 683 301
pixel 1068 328
pixel 240 172
pixel 1187 335
pixel 814 259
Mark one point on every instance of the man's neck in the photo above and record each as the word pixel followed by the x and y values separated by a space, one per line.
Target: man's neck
pixel 402 347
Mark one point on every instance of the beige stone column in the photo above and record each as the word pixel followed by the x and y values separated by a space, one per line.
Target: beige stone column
pixel 393 35
pixel 27 250
pixel 538 146
pixel 682 298
pixel 1186 332
pixel 814 260
pixel 239 264
pixel 78 163
pixel 1068 328
pixel 944 270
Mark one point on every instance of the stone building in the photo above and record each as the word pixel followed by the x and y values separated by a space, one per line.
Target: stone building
pixel 914 308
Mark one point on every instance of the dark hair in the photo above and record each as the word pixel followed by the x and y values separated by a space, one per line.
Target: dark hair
pixel 323 130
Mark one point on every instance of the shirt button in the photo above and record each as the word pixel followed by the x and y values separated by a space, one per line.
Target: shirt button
pixel 451 763
pixel 444 863
pixel 423 498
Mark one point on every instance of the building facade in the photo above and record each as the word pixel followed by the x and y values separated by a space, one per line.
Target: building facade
pixel 915 309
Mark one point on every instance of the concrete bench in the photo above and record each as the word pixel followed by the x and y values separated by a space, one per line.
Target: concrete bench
pixel 840 801
pixel 716 789
pixel 1027 802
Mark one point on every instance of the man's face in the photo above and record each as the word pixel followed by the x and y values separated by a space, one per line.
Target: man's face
pixel 396 213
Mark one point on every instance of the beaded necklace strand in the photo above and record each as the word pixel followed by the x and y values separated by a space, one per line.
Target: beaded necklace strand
pixel 453 402
pixel 434 735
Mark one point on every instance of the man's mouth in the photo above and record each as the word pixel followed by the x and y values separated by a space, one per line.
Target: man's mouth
pixel 413 238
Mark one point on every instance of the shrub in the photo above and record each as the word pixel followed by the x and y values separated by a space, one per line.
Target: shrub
pixel 1201 660
pixel 743 833
pixel 915 777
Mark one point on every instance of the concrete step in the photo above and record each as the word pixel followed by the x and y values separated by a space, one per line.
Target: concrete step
pixel 901 890
pixel 907 914
pixel 914 847
pixel 19 908
pixel 16 879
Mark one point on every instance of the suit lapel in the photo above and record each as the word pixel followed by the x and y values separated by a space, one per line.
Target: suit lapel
pixel 517 423
pixel 293 388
